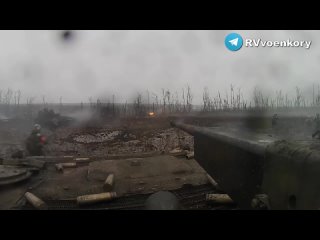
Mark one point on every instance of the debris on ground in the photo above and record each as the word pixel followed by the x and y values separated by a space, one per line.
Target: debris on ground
pixel 109 183
pixel 97 138
pixel 114 140
pixel 178 152
pixel 69 165
pixel 82 160
pixel 219 198
pixel 190 198
pixel 190 155
pixel 35 201
pixel 96 198
pixel 135 163
pixel 59 167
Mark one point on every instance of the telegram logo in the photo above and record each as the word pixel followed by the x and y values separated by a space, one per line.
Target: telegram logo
pixel 233 41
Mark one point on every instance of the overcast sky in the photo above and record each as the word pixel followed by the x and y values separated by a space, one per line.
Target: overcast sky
pixel 102 63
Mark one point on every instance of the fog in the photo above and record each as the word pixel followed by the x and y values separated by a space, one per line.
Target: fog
pixel 102 63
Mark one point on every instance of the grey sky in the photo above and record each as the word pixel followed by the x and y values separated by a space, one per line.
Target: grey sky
pixel 102 63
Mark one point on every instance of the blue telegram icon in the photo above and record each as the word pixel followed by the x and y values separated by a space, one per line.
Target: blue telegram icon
pixel 233 41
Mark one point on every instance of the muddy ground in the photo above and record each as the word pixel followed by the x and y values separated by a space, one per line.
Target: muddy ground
pixel 123 136
pixel 97 138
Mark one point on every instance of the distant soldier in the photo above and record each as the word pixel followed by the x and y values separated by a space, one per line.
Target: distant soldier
pixel 35 142
pixel 274 120
pixel 317 126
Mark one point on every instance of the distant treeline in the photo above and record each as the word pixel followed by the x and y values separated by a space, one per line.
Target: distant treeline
pixel 166 102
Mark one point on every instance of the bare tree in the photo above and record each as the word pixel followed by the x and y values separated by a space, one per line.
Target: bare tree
pixel 113 106
pixel 299 98
pixel 231 97
pixel 148 97
pixel 184 100
pixel 138 105
pixel 206 100
pixel 91 102
pixel 155 102
pixel 60 104
pixel 15 98
pixel 18 96
pixel 125 108
pixel 8 96
pixel 220 100
pixel 43 100
pixel 170 101
pixel 189 99
pixel 177 103
pixel 164 100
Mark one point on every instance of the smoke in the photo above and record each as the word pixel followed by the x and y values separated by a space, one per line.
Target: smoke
pixel 85 64
pixel 81 116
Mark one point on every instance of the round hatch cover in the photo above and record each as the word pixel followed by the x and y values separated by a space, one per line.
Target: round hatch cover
pixel 12 174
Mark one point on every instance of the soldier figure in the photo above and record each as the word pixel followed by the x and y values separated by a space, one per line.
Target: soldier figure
pixel 317 128
pixel 35 142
